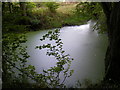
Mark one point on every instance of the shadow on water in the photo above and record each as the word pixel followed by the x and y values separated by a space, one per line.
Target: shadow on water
pixel 86 46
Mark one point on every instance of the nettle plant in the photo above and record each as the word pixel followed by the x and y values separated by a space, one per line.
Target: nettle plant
pixel 62 67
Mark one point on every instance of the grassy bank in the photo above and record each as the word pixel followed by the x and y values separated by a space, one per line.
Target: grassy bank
pixel 65 15
pixel 42 18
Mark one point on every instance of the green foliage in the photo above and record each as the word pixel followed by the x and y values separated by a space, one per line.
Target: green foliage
pixel 22 20
pixel 35 23
pixel 17 73
pixel 14 57
pixel 101 24
pixel 13 24
pixel 52 6
pixel 94 11
pixel 42 16
pixel 89 8
pixel 31 5
pixel 14 28
pixel 62 66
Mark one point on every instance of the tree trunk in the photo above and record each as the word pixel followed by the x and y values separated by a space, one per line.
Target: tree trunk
pixel 10 7
pixel 23 8
pixel 112 59
pixel 3 5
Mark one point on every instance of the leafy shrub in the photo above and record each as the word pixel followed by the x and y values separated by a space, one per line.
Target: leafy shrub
pixel 35 23
pixel 14 57
pixel 93 11
pixel 14 28
pixel 62 67
pixel 16 71
pixel 52 6
pixel 23 20
pixel 31 5
pixel 11 23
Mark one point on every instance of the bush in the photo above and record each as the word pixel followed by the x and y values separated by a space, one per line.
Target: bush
pixel 11 23
pixel 35 23
pixel 17 73
pixel 52 6
pixel 23 20
pixel 93 11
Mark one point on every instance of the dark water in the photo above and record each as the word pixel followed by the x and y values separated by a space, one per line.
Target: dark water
pixel 87 47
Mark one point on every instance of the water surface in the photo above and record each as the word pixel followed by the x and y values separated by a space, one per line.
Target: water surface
pixel 86 46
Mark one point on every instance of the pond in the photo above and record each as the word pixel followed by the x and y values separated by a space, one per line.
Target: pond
pixel 86 46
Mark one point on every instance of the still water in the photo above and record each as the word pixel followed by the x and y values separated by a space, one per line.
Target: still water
pixel 86 46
